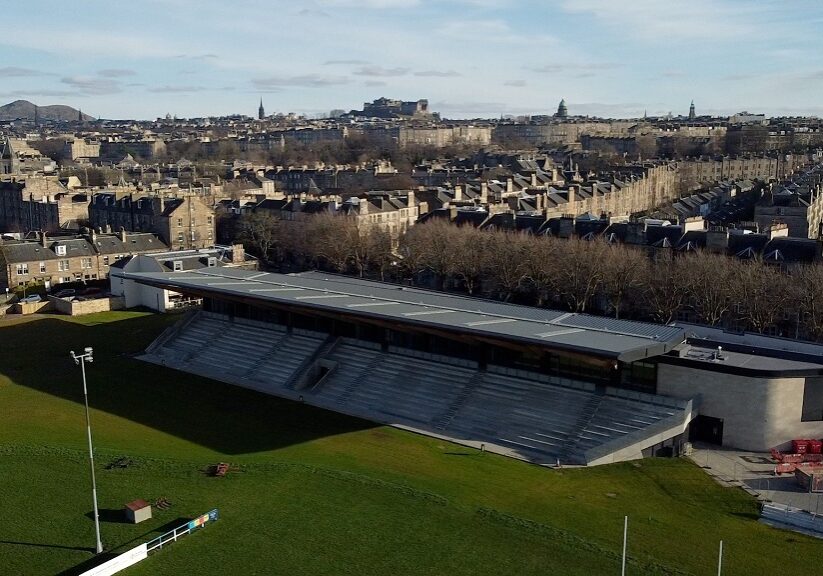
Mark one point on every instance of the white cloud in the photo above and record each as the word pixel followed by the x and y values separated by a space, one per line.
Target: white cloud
pixel 173 89
pixel 438 73
pixel 92 85
pixel 670 21
pixel 380 71
pixel 17 72
pixel 116 72
pixel 303 81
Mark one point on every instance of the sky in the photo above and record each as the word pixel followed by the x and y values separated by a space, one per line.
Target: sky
pixel 470 58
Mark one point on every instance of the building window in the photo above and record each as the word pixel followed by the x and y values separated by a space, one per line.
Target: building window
pixel 61 250
pixel 85 263
pixel 42 267
pixel 179 221
pixel 209 219
pixel 212 262
pixel 63 265
pixel 106 260
pixel 180 237
pixel 22 269
pixel 178 265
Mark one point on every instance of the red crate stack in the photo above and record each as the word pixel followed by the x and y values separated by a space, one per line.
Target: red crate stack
pixel 800 446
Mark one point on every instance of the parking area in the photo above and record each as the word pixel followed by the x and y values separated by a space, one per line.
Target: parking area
pixel 754 472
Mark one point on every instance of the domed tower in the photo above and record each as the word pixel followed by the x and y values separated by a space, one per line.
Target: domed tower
pixel 261 112
pixel 562 111
pixel 691 111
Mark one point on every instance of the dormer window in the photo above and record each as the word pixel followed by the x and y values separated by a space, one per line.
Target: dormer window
pixel 212 262
pixel 178 265
pixel 61 250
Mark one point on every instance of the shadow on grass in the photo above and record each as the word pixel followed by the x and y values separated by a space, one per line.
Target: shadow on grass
pixel 110 516
pixel 121 547
pixel 57 546
pixel 218 416
pixel 88 564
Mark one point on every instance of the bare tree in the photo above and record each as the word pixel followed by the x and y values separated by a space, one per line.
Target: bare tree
pixel 258 230
pixel 760 293
pixel 542 263
pixel 580 271
pixel 331 240
pixel 624 270
pixel 430 247
pixel 710 285
pixel 507 263
pixel 470 247
pixel 664 288
pixel 808 299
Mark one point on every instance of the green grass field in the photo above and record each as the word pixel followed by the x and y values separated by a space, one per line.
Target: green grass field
pixel 314 492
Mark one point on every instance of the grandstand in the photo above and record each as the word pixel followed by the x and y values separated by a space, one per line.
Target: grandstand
pixel 464 382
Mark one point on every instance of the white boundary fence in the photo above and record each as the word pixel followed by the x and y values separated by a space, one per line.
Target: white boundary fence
pixel 121 562
pixel 141 552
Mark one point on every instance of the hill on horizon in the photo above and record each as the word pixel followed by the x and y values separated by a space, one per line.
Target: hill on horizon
pixel 23 109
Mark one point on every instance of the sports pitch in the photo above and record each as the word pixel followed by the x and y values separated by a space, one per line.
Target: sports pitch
pixel 312 492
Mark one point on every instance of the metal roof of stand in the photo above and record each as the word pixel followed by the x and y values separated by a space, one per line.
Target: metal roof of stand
pixel 619 339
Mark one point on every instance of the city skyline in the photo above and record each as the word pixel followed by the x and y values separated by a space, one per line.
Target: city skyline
pixel 470 58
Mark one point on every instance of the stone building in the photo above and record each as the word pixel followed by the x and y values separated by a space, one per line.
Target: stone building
pixel 79 149
pixel 182 222
pixel 701 171
pixel 145 148
pixel 391 108
pixel 41 203
pixel 63 259
pixel 17 157
pixel 393 212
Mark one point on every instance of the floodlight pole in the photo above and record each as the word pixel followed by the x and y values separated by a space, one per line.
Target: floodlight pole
pixel 625 533
pixel 720 560
pixel 81 359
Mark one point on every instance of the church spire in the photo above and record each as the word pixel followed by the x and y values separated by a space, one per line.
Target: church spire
pixel 691 111
pixel 261 112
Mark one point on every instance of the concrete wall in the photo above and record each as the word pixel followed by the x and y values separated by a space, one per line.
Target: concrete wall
pixel 75 308
pixel 757 413
pixel 32 307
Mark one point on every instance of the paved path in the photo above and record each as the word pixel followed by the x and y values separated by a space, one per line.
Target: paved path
pixel 754 472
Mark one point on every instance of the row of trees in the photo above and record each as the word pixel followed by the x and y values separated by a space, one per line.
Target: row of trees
pixel 576 275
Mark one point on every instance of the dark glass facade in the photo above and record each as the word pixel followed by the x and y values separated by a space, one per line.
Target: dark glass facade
pixel 640 376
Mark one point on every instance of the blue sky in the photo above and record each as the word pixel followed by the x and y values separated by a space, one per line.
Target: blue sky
pixel 470 58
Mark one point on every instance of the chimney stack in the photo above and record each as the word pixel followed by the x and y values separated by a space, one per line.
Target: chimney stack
pixel 122 234
pixel 238 254
pixel 694 223
pixel 43 240
pixel 484 193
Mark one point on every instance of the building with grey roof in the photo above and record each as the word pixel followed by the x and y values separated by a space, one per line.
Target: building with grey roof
pixel 52 260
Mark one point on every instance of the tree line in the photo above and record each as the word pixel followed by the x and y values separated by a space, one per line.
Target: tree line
pixel 577 275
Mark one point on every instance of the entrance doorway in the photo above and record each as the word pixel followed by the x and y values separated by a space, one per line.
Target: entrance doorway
pixel 706 429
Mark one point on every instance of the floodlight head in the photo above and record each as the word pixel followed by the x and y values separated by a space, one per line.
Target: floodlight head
pixel 88 350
